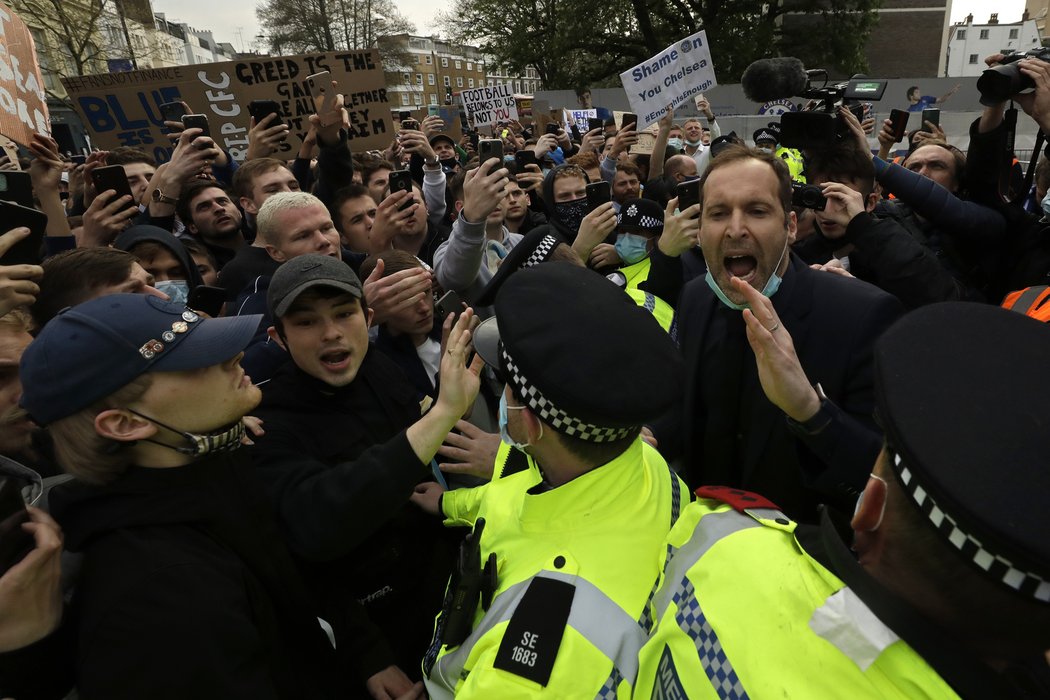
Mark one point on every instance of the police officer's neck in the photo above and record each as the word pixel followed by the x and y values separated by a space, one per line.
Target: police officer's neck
pixel 558 465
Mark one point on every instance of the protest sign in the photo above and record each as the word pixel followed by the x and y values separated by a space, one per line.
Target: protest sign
pixel 449 115
pixel 646 136
pixel 23 104
pixel 489 105
pixel 670 77
pixel 579 117
pixel 122 109
pixel 10 149
pixel 524 109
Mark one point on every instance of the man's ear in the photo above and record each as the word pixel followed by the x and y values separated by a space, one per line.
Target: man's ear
pixel 458 206
pixel 533 425
pixel 275 254
pixel 792 227
pixel 276 337
pixel 122 425
pixel 249 206
pixel 871 506
pixel 868 539
pixel 369 315
pixel 873 199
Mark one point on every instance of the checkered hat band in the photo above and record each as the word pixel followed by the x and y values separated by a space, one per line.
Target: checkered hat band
pixel 646 222
pixel 542 252
pixel 970 547
pixel 554 416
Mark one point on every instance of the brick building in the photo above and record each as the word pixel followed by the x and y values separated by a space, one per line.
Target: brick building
pixel 432 71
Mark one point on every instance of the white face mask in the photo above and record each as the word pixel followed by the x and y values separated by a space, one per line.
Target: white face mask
pixel 177 290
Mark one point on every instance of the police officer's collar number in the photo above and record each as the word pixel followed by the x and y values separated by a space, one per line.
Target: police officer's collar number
pixel 533 635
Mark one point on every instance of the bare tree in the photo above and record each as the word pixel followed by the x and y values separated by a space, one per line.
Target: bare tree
pixel 302 26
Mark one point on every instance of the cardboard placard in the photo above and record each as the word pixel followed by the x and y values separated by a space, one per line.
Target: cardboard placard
pixel 646 137
pixel 23 103
pixel 670 77
pixel 524 110
pixel 489 105
pixel 449 115
pixel 122 109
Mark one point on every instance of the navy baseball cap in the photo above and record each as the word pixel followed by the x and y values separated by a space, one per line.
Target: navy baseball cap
pixel 93 349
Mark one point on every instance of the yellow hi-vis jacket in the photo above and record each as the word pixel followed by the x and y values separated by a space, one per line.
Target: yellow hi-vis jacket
pixel 660 309
pixel 576 565
pixel 742 611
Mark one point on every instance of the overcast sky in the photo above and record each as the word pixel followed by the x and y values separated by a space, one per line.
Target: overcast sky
pixel 235 23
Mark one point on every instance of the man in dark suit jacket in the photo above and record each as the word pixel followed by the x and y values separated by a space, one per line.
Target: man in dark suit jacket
pixel 779 382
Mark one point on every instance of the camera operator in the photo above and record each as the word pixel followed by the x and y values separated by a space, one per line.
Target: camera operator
pixel 875 249
pixel 965 236
pixel 1026 259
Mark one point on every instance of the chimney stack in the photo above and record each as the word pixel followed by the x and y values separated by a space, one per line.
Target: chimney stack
pixel 994 19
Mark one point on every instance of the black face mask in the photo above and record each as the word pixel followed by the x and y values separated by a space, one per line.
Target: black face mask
pixel 570 214
pixel 224 439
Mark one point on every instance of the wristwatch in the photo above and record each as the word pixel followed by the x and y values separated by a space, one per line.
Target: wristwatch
pixel 820 420
pixel 162 198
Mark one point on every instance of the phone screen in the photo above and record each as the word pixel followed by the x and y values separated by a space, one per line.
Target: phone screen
pixel 598 193
pixel 688 194
pixel 931 115
pixel 490 148
pixel 197 121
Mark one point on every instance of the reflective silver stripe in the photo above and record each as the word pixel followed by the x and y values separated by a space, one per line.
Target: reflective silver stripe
pixel 1027 299
pixel 594 615
pixel 708 531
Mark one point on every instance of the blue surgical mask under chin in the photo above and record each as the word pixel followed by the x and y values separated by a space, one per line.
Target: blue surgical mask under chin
pixel 177 290
pixel 504 434
pixel 676 143
pixel 631 248
pixel 772 285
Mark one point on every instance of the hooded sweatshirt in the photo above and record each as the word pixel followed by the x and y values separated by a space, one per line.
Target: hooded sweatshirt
pixel 187 590
pixel 556 222
pixel 140 233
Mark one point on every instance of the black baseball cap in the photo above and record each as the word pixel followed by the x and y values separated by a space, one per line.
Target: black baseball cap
pixel 304 272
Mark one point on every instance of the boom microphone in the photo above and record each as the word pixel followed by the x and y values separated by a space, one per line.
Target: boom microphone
pixel 769 79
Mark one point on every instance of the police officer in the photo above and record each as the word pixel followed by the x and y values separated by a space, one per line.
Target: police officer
pixel 540 246
pixel 570 532
pixel 951 593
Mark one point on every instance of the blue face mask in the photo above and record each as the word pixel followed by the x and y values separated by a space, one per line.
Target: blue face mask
pixel 632 248
pixel 503 433
pixel 772 285
pixel 177 290
pixel 676 143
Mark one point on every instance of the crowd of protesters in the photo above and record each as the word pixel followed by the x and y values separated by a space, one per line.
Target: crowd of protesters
pixel 257 406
